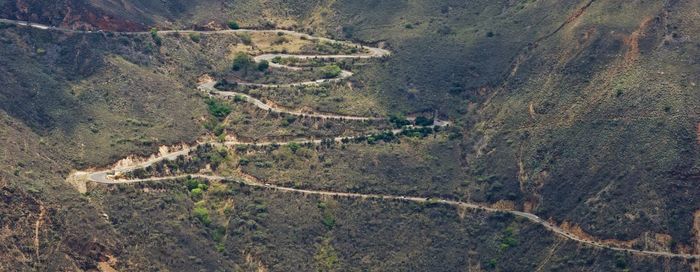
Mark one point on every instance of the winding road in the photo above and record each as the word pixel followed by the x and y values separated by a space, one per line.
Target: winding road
pixel 106 176
pixel 208 87
pixel 101 177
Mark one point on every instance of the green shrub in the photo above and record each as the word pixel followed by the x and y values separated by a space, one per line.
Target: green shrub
pixel 196 193
pixel 294 147
pixel 288 120
pixel 243 161
pixel 263 65
pixel 509 239
pixel 242 62
pixel 195 37
pixel 331 71
pixel 202 215
pixel 157 39
pixel 192 184
pixel 233 24
pixel 328 221
pixel 398 121
pixel 424 121
pixel 218 109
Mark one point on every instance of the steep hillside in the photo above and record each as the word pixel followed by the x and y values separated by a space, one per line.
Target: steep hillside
pixel 581 113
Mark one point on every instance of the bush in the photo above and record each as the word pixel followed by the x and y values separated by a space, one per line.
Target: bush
pixel 294 147
pixel 263 65
pixel 196 193
pixel 423 121
pixel 218 109
pixel 331 71
pixel 280 40
pixel 156 38
pixel 242 62
pixel 398 121
pixel 328 221
pixel 202 215
pixel 245 38
pixel 192 184
pixel 195 37
pixel 233 24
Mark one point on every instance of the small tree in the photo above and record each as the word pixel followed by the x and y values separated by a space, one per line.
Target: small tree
pixel 242 62
pixel 263 65
pixel 233 24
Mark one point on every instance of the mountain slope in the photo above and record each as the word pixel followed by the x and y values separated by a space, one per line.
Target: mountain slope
pixel 584 113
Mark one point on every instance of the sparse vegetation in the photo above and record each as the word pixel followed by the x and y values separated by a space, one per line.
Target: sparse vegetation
pixel 245 38
pixel 520 87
